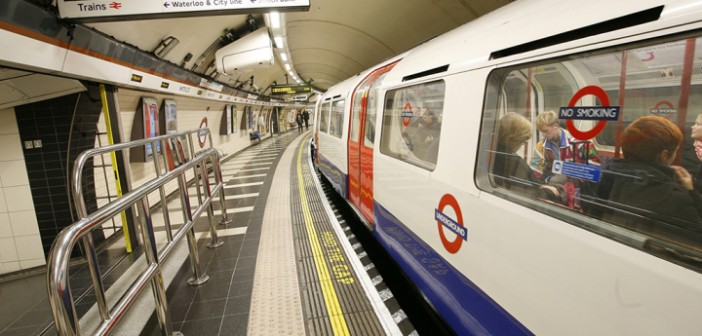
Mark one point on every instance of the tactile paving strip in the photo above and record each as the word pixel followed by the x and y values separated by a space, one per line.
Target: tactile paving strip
pixel 275 300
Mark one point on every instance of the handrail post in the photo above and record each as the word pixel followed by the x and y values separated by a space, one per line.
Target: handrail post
pixel 222 201
pixel 162 189
pixel 198 277
pixel 215 241
pixel 151 252
pixel 98 285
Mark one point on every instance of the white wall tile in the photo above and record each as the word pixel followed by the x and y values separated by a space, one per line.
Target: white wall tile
pixel 21 198
pixel 13 173
pixel 3 204
pixel 8 251
pixel 5 226
pixel 8 122
pixel 10 267
pixel 10 147
pixel 25 264
pixel 29 247
pixel 24 223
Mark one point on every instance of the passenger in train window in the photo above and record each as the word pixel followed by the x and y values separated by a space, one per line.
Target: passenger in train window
pixel 692 153
pixel 425 135
pixel 646 183
pixel 510 170
pixel 557 144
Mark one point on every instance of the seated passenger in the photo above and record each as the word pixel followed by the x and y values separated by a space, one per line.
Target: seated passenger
pixel 510 170
pixel 424 135
pixel 557 144
pixel 645 182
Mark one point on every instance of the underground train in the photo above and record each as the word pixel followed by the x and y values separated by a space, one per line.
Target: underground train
pixel 414 145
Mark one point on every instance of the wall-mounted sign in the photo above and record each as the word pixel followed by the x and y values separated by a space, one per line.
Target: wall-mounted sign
pixel 280 90
pixel 115 10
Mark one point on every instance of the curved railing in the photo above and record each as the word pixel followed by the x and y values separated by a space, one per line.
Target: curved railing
pixel 60 296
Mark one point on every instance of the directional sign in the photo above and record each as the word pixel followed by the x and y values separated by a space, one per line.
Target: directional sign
pixel 115 10
pixel 281 90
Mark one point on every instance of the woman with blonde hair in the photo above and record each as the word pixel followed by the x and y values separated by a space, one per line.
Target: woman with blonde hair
pixel 510 170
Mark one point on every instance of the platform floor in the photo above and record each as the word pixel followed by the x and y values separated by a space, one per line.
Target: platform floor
pixel 286 267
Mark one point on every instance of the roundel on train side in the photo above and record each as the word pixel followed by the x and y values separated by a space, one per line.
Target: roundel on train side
pixel 602 113
pixel 407 114
pixel 445 221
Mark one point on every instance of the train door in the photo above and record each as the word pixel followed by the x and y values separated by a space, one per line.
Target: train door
pixel 361 141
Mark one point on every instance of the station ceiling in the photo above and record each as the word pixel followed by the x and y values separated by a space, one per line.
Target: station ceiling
pixel 333 41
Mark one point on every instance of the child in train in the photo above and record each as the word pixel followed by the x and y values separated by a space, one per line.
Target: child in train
pixel 510 170
pixel 557 144
pixel 646 183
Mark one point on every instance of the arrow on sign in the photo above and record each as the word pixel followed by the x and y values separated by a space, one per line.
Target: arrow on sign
pixel 165 4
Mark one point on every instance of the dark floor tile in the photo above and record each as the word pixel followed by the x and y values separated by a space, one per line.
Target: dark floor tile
pixel 240 288
pixel 238 305
pixel 235 325
pixel 26 331
pixel 212 290
pixel 206 309
pixel 243 275
pixel 204 327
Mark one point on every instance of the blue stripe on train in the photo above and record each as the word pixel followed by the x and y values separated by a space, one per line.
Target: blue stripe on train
pixel 465 307
pixel 335 176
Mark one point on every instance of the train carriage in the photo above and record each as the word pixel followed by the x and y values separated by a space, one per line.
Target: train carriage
pixel 498 260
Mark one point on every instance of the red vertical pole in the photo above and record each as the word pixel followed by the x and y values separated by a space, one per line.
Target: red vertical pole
pixel 685 83
pixel 622 91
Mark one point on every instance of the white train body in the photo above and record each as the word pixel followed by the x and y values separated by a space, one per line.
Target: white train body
pixel 495 261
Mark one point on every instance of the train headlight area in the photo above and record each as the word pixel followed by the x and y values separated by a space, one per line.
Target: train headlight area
pixel 284 264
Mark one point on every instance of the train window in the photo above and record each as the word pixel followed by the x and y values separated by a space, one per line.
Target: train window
pixel 605 141
pixel 356 114
pixel 337 118
pixel 324 118
pixel 412 123
pixel 371 112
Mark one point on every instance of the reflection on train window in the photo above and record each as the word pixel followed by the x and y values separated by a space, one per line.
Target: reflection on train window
pixel 324 117
pixel 412 123
pixel 337 118
pixel 631 173
pixel 371 112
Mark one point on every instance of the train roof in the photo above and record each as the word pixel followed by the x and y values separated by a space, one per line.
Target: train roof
pixel 541 26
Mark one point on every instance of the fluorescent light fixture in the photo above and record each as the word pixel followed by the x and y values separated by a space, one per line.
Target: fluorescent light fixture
pixel 284 57
pixel 287 67
pixel 279 42
pixel 275 20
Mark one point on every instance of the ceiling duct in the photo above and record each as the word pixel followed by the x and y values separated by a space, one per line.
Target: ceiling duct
pixel 253 51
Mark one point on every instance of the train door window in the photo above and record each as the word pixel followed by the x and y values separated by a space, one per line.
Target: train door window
pixel 356 114
pixel 337 117
pixel 324 117
pixel 605 141
pixel 371 112
pixel 412 123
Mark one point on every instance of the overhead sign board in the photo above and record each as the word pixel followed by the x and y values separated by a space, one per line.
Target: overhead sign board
pixel 115 10
pixel 281 90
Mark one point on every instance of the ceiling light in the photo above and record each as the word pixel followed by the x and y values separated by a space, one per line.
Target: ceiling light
pixel 284 57
pixel 279 42
pixel 275 20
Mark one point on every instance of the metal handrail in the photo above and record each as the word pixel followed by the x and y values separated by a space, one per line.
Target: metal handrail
pixel 60 297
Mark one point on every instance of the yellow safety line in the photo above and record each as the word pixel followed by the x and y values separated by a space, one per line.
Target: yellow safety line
pixel 330 298
pixel 113 157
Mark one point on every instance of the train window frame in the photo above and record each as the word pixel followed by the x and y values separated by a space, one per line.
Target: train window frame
pixel 336 117
pixel 324 117
pixel 398 144
pixel 654 240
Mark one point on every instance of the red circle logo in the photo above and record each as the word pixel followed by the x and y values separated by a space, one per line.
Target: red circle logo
pixel 202 134
pixel 604 100
pixel 407 114
pixel 455 245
